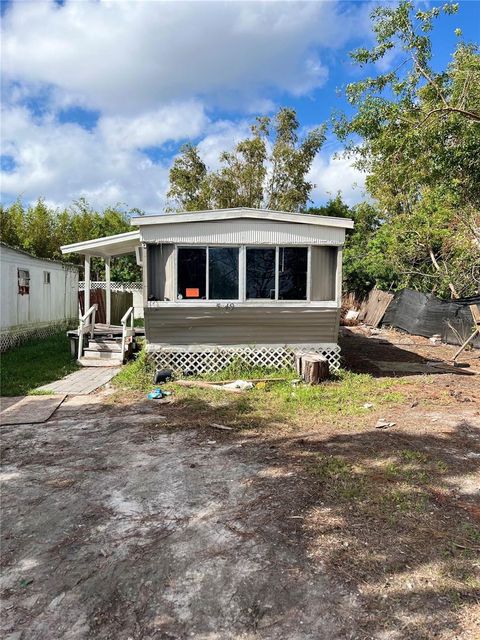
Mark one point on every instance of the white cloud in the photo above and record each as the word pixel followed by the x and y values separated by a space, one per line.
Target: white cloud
pixel 153 70
pixel 335 174
pixel 65 161
pixel 173 122
pixel 222 136
pixel 128 57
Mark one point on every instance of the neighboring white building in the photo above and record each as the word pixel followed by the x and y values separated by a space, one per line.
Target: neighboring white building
pixel 37 296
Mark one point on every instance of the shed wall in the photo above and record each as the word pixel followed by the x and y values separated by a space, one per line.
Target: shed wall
pixel 46 303
pixel 242 231
pixel 189 325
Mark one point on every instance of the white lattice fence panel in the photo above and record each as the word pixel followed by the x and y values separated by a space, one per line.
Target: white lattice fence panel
pixel 15 337
pixel 114 286
pixel 211 360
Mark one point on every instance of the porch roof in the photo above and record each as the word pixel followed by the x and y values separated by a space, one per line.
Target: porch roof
pixel 118 245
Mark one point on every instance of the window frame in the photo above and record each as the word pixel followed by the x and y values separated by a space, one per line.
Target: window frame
pixel 24 289
pixel 47 278
pixel 207 274
pixel 277 248
pixel 242 275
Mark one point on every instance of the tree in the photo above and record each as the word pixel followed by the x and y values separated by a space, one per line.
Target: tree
pixel 188 175
pixel 416 133
pixel 267 170
pixel 42 230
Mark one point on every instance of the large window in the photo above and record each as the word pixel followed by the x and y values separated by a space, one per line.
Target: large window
pixel 216 265
pixel 267 273
pixel 260 273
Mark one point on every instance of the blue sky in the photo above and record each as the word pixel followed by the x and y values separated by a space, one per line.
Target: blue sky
pixel 98 96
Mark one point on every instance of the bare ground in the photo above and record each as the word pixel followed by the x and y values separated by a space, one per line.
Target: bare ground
pixel 136 520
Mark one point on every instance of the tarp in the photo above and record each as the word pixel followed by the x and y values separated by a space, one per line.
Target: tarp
pixel 427 315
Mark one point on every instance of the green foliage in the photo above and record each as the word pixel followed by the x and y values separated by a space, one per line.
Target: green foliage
pixel 243 179
pixel 240 369
pixel 35 363
pixel 364 261
pixel 42 230
pixel 416 133
pixel 136 375
pixel 335 207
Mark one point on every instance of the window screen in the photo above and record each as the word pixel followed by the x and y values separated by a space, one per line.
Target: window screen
pixel 23 278
pixel 260 273
pixel 46 277
pixel 292 267
pixel 223 273
pixel 192 273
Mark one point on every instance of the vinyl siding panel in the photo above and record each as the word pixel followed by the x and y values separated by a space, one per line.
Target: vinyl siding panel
pixel 242 231
pixel 190 325
pixel 45 303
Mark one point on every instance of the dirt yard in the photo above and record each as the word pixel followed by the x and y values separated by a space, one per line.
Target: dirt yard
pixel 129 519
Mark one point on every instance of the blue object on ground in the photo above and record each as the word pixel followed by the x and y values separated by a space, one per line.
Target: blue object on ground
pixel 155 395
pixel 158 394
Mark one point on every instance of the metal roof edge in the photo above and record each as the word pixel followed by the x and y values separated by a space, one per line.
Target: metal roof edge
pixel 242 212
pixel 68 265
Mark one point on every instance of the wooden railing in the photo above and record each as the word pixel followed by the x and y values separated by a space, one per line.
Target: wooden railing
pixel 127 332
pixel 86 326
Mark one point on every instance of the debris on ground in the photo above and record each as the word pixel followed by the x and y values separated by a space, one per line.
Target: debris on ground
pixel 243 385
pixel 201 384
pixel 221 427
pixel 384 424
pixel 158 394
pixel 368 405
pixel 162 375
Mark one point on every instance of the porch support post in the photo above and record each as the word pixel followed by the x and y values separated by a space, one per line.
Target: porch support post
pixel 108 291
pixel 87 284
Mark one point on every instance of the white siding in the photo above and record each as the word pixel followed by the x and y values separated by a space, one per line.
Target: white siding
pixel 45 303
pixel 243 231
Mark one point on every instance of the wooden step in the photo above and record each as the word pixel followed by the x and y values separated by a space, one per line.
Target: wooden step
pixel 103 355
pixel 106 347
pixel 98 362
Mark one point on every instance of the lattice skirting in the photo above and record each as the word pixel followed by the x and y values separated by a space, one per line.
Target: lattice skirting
pixel 209 359
pixel 14 337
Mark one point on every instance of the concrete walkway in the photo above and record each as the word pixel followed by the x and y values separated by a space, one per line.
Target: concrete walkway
pixel 82 382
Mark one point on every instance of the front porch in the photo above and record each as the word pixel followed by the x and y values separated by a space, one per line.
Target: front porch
pixel 96 343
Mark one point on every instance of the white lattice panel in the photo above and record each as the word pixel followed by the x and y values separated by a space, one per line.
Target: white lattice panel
pixel 15 337
pixel 213 359
pixel 114 286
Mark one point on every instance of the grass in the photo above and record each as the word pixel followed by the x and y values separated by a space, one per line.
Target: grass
pixel 34 364
pixel 288 402
pixel 137 375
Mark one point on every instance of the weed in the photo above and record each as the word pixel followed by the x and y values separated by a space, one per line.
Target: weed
pixel 136 375
pixel 401 500
pixel 410 455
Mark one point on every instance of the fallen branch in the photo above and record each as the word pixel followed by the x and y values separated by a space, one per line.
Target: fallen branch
pixel 204 385
pixel 253 380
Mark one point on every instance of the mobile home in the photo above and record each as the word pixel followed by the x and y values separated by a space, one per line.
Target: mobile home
pixel 223 284
pixel 38 296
